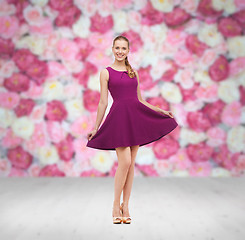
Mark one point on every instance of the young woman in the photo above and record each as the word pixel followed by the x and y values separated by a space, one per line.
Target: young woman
pixel 131 122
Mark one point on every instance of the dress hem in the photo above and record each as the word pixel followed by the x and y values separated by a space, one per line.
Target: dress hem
pixel 140 144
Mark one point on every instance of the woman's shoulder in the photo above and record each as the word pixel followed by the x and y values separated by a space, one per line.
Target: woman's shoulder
pixel 105 69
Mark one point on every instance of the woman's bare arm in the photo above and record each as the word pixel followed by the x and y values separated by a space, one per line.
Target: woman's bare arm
pixel 104 77
pixel 157 109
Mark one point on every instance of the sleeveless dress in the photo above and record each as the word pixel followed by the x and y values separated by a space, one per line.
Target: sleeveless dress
pixel 129 122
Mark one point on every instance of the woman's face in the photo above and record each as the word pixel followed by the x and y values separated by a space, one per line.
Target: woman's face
pixel 120 49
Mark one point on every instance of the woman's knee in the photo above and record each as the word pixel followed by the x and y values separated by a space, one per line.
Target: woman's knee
pixel 126 163
pixel 124 156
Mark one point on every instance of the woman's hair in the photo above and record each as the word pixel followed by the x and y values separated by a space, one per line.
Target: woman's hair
pixel 130 70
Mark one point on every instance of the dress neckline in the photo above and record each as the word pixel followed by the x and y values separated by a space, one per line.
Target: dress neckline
pixel 117 70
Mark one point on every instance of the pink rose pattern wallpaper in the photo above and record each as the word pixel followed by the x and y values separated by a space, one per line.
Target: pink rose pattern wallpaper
pixel 190 56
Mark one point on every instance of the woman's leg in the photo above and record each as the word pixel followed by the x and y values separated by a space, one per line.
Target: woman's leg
pixel 129 181
pixel 124 162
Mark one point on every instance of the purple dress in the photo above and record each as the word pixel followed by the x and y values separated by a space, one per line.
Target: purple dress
pixel 129 122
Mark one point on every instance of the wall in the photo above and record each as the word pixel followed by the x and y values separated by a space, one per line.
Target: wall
pixel 190 56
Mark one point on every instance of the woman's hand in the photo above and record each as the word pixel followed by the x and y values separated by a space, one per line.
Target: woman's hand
pixel 91 134
pixel 167 113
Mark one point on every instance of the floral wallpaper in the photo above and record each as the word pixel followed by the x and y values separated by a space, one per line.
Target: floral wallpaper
pixel 190 56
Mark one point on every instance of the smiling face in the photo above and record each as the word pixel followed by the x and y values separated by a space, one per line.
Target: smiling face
pixel 120 50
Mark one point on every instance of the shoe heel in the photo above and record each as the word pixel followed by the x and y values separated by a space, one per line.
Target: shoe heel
pixel 126 220
pixel 117 220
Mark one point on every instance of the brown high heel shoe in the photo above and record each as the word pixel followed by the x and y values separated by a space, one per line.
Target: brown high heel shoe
pixel 125 219
pixel 117 220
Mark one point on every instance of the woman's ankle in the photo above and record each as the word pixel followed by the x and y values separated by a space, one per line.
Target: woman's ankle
pixel 125 204
pixel 116 203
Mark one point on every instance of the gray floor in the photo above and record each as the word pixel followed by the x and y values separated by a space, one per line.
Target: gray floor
pixel 161 208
